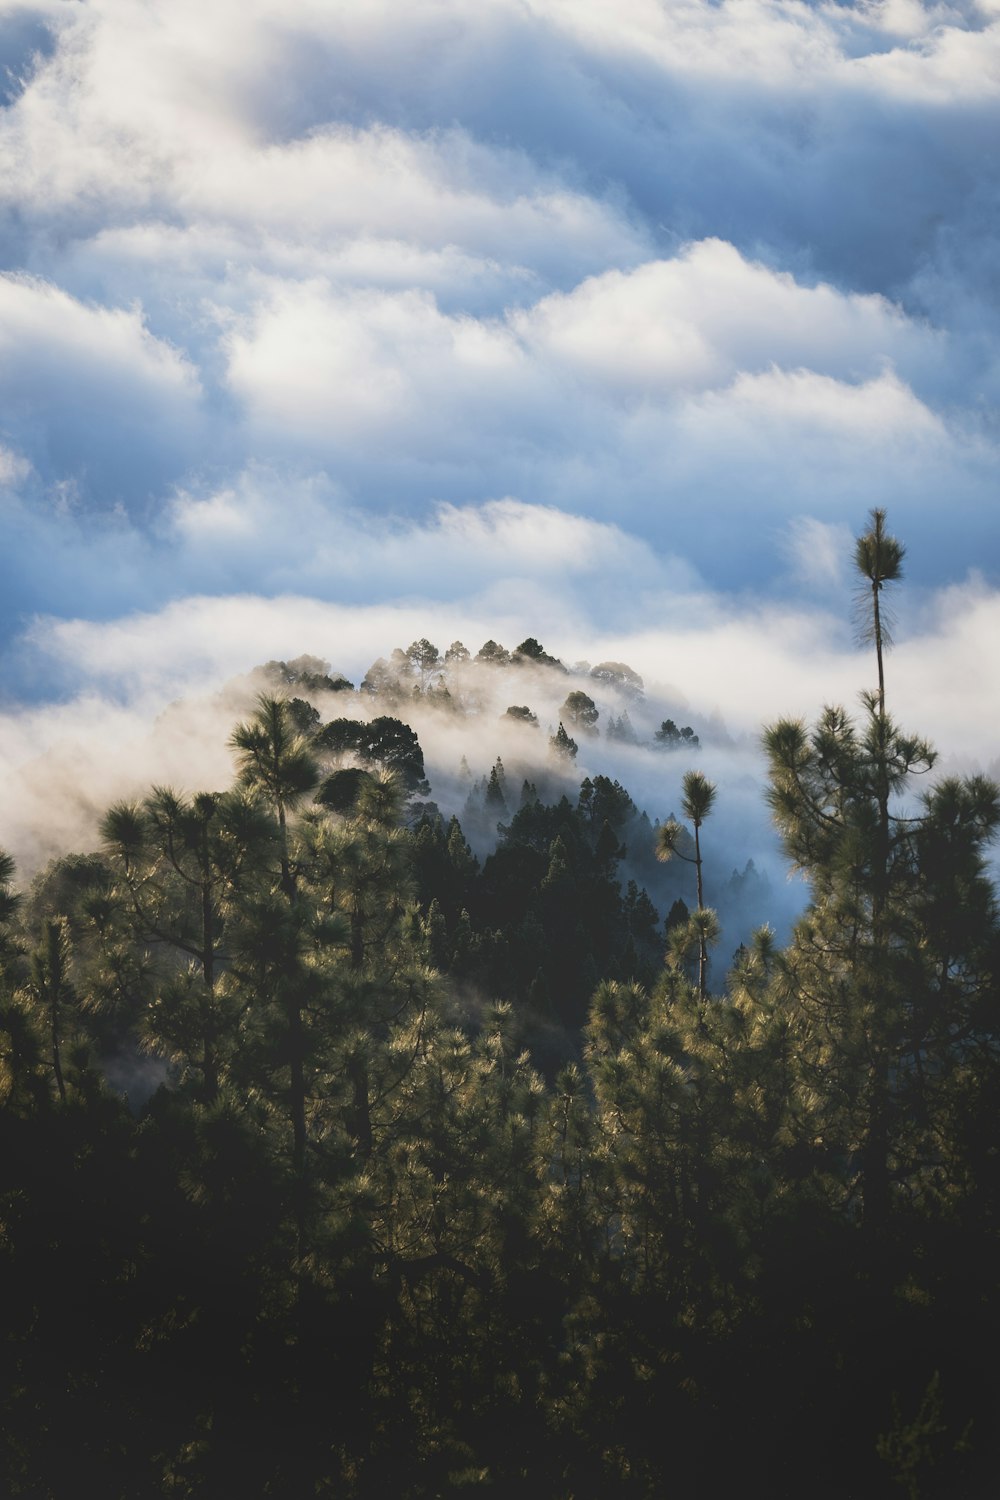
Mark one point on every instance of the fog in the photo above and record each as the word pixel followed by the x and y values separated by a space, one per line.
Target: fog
pixel 157 697
pixel 327 327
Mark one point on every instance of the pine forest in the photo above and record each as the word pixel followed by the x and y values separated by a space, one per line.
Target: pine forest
pixel 353 1147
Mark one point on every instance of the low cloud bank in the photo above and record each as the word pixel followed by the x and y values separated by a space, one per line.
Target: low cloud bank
pixel 327 327
pixel 155 695
pixel 701 274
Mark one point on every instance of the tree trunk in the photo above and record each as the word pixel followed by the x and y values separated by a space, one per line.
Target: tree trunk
pixel 702 943
pixel 361 1118
pixel 56 1059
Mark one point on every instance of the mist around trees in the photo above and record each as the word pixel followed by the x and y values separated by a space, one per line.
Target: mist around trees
pixel 363 1141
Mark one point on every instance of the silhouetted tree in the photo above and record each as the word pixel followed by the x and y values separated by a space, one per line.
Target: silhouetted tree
pixel 562 745
pixel 696 803
pixel 580 712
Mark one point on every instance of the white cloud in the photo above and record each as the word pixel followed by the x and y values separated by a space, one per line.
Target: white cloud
pixel 40 322
pixel 313 537
pixel 798 419
pixel 951 64
pixel 86 387
pixel 692 364
pixel 697 320
pixel 818 551
pixel 306 288
pixel 701 655
pixel 13 467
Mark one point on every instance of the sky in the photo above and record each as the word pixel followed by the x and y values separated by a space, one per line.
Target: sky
pixel 327 325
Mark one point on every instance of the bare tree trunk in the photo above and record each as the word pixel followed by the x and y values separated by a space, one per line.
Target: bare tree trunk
pixel 702 943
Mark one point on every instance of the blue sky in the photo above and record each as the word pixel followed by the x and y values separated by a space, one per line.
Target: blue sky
pixel 607 323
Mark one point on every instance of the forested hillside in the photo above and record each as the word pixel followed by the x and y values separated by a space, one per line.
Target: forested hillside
pixel 368 1133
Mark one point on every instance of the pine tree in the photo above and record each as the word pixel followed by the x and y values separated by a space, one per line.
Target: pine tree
pixel 52 990
pixel 562 745
pixel 179 863
pixel 888 980
pixel 696 804
pixel 495 800
pixel 580 712
pixel 275 761
pixel 878 558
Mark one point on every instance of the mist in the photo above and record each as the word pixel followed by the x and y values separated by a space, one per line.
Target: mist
pixel 158 696
pixel 322 330
pixel 329 327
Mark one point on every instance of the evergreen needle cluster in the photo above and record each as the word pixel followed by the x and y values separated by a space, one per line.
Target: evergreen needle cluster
pixel 436 1179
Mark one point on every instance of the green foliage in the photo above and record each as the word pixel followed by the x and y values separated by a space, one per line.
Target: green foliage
pixel 495 800
pixel 580 712
pixel 703 926
pixel 383 741
pixel 522 714
pixel 561 745
pixel 271 757
pixel 493 654
pixel 531 651
pixel 424 658
pixel 878 558
pixel 445 1179
pixel 605 801
pixel 669 737
pixel 309 673
pixel 340 791
pixel 616 674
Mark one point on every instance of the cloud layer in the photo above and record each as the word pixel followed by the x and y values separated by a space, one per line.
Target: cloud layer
pixel 504 311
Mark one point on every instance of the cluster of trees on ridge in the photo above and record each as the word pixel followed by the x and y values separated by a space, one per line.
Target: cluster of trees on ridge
pixel 357 1243
pixel 453 681
pixel 569 891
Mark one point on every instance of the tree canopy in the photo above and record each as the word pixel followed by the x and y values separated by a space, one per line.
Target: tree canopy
pixel 341 1154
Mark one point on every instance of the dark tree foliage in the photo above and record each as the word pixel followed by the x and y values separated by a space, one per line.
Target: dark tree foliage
pixel 433 1176
pixel 580 712
pixel 602 799
pixel 549 896
pixel 522 714
pixel 340 791
pixel 383 741
pixel 669 737
pixel 494 797
pixel 493 654
pixel 309 673
pixel 530 650
pixel 562 745
pixel 304 716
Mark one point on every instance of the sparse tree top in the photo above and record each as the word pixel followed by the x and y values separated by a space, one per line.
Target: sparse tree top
pixel 618 675
pixel 423 655
pixel 879 560
pixel 698 798
pixel 877 555
pixel 562 744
